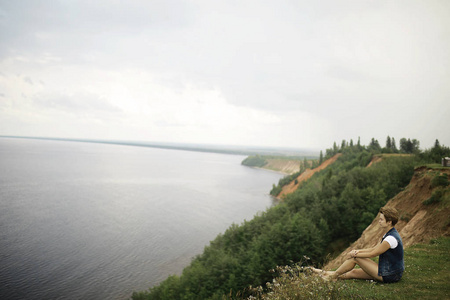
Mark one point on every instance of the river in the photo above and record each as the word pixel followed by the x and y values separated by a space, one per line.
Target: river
pixel 97 221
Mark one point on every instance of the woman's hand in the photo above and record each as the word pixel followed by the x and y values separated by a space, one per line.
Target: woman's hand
pixel 353 253
pixel 350 255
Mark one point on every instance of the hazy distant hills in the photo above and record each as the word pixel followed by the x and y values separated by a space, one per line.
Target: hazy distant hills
pixel 226 149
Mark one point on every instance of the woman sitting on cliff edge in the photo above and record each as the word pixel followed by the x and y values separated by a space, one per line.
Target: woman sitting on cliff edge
pixel 391 265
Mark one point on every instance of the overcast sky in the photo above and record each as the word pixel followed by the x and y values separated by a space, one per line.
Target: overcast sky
pixel 267 73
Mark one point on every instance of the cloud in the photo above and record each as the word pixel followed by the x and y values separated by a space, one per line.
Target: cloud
pixel 288 72
pixel 28 80
pixel 75 103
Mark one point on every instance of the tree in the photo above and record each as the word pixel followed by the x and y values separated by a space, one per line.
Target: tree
pixel 314 164
pixel 408 146
pixel 405 145
pixel 374 145
pixel 388 147
pixel 321 158
pixel 393 146
pixel 436 144
pixel 388 143
pixel 415 146
pixel 302 167
pixel 436 153
pixel 335 148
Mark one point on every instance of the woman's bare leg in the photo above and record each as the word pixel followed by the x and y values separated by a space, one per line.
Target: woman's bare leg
pixel 320 271
pixel 369 270
pixel 347 266
pixel 356 274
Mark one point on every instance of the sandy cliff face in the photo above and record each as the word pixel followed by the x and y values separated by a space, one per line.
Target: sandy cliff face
pixel 418 222
pixel 283 165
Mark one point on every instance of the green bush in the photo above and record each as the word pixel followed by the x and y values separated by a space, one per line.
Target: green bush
pixel 276 190
pixel 436 197
pixel 439 180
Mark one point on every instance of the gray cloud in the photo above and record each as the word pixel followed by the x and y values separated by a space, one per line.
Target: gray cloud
pixel 336 60
pixel 28 80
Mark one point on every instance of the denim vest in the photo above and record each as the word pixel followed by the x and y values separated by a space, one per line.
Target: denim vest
pixel 391 262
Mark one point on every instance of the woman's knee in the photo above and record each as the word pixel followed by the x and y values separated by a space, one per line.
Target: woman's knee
pixel 359 260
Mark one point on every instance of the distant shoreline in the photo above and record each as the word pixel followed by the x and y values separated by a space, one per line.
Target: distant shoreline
pixel 270 170
pixel 222 149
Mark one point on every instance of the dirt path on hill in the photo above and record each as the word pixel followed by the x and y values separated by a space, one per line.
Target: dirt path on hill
pixel 292 187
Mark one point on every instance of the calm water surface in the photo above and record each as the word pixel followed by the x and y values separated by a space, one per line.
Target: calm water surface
pixel 93 221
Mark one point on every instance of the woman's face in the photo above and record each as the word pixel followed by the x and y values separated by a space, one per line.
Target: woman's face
pixel 382 221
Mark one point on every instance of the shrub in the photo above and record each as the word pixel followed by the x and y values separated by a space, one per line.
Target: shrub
pixel 439 180
pixel 436 197
pixel 295 282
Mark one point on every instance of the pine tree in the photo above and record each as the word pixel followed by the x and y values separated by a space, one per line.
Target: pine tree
pixel 388 143
pixel 393 146
pixel 335 148
pixel 436 144
pixel 374 145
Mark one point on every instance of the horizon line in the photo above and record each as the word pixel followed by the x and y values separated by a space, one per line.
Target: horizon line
pixel 197 147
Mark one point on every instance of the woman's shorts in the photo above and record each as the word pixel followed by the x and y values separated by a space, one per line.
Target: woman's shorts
pixel 392 278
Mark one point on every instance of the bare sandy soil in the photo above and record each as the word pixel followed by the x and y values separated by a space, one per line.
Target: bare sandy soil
pixel 283 165
pixel 290 188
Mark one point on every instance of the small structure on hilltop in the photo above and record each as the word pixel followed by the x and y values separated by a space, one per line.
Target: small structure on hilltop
pixel 446 161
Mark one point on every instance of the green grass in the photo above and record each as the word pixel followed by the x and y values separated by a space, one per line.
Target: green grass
pixel 435 166
pixel 427 276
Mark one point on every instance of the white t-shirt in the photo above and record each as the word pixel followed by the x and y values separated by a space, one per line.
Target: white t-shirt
pixel 392 241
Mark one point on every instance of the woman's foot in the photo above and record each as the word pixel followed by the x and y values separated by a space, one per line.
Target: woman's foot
pixel 325 275
pixel 320 272
pixel 315 270
pixel 329 276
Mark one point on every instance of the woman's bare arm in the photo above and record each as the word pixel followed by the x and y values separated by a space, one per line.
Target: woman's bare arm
pixel 372 252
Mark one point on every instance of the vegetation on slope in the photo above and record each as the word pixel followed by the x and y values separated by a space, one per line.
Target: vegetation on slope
pixel 332 208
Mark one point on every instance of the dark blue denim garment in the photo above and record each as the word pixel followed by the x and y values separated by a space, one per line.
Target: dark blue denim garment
pixel 392 278
pixel 391 262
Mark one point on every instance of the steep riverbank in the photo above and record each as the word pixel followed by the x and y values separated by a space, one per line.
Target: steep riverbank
pixel 421 219
pixel 284 166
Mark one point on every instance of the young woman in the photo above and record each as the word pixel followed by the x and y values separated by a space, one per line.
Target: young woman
pixel 390 265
